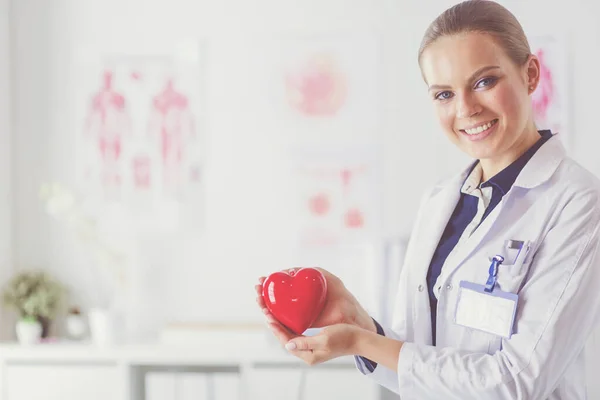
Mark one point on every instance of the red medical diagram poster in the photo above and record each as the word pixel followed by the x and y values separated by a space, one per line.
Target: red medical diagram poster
pixel 140 140
pixel 551 97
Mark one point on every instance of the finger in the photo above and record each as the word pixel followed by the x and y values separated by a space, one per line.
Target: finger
pixel 264 309
pixel 286 330
pixel 261 303
pixel 261 280
pixel 328 275
pixel 275 331
pixel 271 319
pixel 259 290
pixel 281 332
pixel 308 356
pixel 304 343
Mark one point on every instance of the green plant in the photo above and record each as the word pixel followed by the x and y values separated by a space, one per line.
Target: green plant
pixel 33 294
pixel 29 319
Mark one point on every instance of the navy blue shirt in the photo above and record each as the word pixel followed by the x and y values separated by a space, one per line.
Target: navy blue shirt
pixel 463 215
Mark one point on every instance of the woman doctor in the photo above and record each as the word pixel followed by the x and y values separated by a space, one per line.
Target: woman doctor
pixel 500 289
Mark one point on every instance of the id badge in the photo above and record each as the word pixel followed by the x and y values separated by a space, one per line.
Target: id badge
pixel 488 311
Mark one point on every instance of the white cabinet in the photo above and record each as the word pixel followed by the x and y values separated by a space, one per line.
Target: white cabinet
pixel 330 384
pixel 61 382
pixel 310 384
pixel 157 372
pixel 273 384
pixel 191 386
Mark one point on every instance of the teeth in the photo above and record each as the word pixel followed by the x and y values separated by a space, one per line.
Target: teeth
pixel 479 129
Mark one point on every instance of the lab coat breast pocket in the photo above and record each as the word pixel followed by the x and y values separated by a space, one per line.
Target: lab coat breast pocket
pixel 511 277
pixel 512 273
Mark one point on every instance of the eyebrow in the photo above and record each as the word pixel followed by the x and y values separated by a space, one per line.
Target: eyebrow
pixel 473 76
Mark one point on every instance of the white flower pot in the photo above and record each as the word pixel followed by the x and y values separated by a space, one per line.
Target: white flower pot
pixel 101 327
pixel 76 326
pixel 28 332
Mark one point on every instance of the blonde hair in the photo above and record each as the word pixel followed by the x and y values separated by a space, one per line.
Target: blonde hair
pixel 483 16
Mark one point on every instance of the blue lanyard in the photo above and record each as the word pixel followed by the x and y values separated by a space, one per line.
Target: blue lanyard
pixel 493 271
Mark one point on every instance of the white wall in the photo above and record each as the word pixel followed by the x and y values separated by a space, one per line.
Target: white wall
pixel 241 244
pixel 244 225
pixel 5 159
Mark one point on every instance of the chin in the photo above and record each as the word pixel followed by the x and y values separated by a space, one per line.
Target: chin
pixel 480 151
pixel 490 147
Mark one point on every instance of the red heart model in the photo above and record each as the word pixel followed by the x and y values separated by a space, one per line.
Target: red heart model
pixel 295 299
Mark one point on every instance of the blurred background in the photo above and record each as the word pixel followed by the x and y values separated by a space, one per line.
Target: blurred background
pixel 157 157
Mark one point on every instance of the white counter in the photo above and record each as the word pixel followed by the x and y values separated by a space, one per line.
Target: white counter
pixel 247 365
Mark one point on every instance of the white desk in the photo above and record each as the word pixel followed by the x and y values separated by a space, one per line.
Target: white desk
pixel 234 366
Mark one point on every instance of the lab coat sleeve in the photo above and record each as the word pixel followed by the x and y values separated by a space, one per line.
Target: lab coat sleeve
pixel 558 307
pixel 380 374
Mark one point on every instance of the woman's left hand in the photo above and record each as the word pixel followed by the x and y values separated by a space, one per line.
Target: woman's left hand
pixel 331 342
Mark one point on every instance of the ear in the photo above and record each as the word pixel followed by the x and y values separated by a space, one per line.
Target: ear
pixel 531 72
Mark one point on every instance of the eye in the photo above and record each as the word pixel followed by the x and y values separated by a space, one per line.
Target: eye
pixel 445 95
pixel 485 82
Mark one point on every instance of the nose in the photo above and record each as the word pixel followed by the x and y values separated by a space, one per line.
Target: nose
pixel 467 106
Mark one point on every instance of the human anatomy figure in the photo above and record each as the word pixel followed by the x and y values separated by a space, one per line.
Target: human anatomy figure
pixel 142 176
pixel 107 121
pixel 172 119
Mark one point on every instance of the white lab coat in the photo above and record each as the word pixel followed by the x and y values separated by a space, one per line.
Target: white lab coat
pixel 554 203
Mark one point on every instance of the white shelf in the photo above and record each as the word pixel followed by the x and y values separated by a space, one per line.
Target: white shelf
pixel 240 350
pixel 242 362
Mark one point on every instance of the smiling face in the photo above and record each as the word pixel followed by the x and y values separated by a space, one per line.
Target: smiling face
pixel 481 96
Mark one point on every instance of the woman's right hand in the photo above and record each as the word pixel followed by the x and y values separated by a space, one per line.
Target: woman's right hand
pixel 341 307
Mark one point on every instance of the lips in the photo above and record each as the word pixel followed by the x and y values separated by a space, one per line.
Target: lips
pixel 479 128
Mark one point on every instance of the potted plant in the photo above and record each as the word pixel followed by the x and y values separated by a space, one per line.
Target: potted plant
pixel 36 298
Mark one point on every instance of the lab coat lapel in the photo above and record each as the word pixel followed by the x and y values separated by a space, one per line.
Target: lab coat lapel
pixel 539 169
pixel 466 248
pixel 442 205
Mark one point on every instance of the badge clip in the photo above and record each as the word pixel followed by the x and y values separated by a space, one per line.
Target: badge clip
pixel 493 272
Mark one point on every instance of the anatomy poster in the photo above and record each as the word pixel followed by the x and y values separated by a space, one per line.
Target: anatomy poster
pixel 550 99
pixel 140 135
pixel 338 196
pixel 327 79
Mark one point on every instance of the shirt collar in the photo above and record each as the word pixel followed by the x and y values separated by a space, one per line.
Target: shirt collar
pixel 543 164
pixel 473 179
pixel 538 170
pixel 505 179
